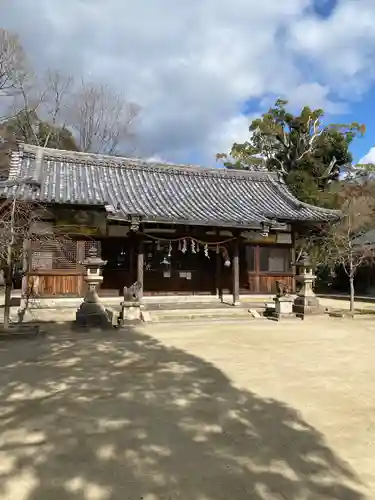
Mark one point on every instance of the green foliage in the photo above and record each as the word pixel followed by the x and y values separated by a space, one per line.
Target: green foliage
pixel 308 154
pixel 27 127
pixel 56 137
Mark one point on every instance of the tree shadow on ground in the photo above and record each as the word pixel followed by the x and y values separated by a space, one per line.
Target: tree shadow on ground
pixel 118 415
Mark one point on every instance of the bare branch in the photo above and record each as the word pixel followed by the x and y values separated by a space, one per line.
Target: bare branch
pixel 339 244
pixel 18 224
pixel 12 63
pixel 102 119
pixel 57 93
pixel 308 145
pixel 37 112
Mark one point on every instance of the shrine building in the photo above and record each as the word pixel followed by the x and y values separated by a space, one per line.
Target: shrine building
pixel 176 229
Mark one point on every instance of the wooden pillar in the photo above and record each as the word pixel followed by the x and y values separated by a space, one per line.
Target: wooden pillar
pixel 81 292
pixel 219 288
pixel 236 274
pixel 132 266
pixel 26 266
pixel 140 266
pixel 257 270
pixel 293 263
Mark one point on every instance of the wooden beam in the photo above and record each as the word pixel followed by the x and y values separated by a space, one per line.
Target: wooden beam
pixel 236 274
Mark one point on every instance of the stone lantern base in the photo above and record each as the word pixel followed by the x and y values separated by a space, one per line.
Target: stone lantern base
pixel 306 305
pixel 92 315
pixel 306 302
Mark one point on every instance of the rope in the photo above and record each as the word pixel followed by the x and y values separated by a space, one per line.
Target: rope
pixel 170 240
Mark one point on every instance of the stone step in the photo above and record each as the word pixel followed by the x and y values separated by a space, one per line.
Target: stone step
pixel 210 314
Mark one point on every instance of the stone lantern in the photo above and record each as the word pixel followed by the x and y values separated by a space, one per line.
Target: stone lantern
pixel 306 301
pixel 92 312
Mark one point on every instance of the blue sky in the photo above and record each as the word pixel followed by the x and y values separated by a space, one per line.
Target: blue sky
pixel 362 112
pixel 324 8
pixel 195 67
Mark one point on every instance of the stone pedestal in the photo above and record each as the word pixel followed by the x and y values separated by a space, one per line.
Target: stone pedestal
pixel 283 306
pixel 306 301
pixel 131 306
pixel 91 312
pixel 130 312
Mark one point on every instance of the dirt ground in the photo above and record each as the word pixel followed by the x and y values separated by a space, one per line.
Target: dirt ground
pixel 254 411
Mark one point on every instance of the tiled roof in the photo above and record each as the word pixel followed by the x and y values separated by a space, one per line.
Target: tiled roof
pixel 160 192
pixel 365 238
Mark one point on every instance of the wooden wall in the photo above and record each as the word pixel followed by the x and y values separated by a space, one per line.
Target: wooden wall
pixel 256 280
pixel 56 283
pixel 69 280
pixel 266 283
pixel 55 269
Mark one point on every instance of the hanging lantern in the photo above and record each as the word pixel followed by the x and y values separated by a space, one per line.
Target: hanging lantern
pixel 265 229
pixel 226 258
pixel 165 262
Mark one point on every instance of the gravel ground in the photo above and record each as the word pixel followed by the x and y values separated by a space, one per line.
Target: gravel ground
pixel 253 411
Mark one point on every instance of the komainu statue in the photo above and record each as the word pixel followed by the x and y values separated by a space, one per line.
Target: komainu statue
pixel 282 289
pixel 132 294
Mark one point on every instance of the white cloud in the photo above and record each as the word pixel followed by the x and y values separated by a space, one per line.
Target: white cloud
pixel 343 45
pixel 236 129
pixel 192 65
pixel 369 157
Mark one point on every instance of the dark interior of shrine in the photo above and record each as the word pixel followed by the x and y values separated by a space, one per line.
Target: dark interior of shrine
pixel 187 265
pixel 168 267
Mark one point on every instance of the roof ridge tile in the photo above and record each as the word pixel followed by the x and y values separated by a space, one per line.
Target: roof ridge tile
pixel 99 160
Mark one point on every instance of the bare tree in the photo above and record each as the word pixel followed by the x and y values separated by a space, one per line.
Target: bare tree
pixel 102 119
pixel 37 116
pixel 339 243
pixel 21 228
pixel 12 63
pixel 39 108
pixel 57 93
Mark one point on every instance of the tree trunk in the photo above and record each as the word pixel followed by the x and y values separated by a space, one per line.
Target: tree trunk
pixel 7 296
pixel 351 283
pixel 9 271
